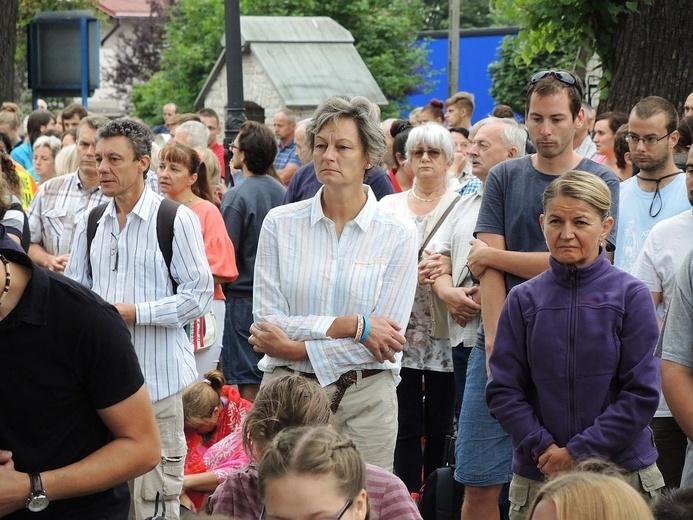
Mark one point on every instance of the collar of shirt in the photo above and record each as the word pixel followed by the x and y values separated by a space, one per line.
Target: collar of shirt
pixel 144 208
pixel 80 186
pixel 290 145
pixel 32 307
pixel 362 220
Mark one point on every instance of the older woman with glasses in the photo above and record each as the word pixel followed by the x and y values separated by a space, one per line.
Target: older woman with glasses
pixel 334 281
pixel 427 370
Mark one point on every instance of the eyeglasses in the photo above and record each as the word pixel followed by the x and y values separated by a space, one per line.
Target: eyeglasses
pixel 561 75
pixel 648 140
pixel 231 147
pixel 433 153
pixel 349 503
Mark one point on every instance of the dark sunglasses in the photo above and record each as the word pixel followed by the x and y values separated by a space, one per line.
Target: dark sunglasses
pixel 433 153
pixel 561 75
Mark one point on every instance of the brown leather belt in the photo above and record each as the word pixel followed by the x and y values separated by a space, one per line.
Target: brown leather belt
pixel 346 380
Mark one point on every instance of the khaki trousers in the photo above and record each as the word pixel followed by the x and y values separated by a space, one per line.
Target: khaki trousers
pixel 167 477
pixel 367 414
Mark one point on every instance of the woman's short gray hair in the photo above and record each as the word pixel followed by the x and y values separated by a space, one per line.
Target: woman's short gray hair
pixel 362 112
pixel 431 135
pixel 49 141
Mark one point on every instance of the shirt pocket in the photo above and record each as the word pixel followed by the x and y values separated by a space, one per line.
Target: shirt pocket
pixel 55 219
pixel 364 282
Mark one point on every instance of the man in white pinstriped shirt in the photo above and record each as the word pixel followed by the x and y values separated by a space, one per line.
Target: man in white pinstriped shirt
pixel 135 278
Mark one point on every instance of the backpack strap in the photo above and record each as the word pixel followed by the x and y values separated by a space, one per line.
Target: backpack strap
pixel 165 220
pixel 92 224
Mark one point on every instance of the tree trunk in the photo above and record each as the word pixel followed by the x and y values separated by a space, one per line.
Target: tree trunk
pixel 9 10
pixel 652 56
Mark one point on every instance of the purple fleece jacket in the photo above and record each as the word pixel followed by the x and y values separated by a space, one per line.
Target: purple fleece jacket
pixel 573 365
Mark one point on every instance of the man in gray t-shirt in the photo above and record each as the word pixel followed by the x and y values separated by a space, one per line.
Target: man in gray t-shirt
pixel 510 247
pixel 676 350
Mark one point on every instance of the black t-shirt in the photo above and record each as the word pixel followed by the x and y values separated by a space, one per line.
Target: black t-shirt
pixel 64 353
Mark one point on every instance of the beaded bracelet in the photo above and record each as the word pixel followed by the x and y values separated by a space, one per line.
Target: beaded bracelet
pixel 366 328
pixel 359 328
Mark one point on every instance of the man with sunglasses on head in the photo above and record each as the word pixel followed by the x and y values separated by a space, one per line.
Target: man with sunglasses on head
pixel 510 248
pixel 658 190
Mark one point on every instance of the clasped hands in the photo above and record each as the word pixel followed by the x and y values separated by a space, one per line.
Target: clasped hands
pixel 555 460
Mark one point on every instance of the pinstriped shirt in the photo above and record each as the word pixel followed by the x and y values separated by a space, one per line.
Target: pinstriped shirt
pixel 57 208
pixel 127 266
pixel 306 276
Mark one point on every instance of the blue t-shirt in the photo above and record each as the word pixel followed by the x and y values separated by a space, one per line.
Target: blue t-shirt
pixel 286 155
pixel 635 220
pixel 24 155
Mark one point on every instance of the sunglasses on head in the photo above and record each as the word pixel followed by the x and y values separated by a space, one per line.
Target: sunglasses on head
pixel 561 75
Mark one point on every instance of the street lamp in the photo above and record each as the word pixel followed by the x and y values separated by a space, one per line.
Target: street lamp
pixel 235 107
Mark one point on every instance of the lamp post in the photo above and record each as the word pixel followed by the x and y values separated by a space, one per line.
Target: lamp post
pixel 235 109
pixel 453 47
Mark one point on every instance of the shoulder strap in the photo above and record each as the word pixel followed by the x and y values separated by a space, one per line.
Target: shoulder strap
pixel 438 224
pixel 165 219
pixel 92 224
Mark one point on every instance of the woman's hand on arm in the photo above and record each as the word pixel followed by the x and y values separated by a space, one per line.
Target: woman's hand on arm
pixel 384 337
pixel 458 300
pixel 273 341
pixel 432 267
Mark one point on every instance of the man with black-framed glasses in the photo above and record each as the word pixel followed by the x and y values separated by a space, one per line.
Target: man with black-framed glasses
pixel 658 190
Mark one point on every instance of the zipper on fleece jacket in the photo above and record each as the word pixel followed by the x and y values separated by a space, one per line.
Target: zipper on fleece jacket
pixel 572 277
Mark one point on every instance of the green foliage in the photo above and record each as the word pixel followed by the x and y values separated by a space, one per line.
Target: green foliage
pixel 384 32
pixel 473 14
pixel 545 26
pixel 193 44
pixel 511 75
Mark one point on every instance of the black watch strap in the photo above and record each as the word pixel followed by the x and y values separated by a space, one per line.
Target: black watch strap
pixel 36 483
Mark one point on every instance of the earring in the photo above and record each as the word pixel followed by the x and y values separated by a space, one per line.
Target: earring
pixel 369 166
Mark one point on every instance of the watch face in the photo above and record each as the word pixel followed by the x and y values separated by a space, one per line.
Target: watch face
pixel 37 503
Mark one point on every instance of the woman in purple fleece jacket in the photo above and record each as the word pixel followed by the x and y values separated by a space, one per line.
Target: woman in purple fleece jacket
pixel 573 374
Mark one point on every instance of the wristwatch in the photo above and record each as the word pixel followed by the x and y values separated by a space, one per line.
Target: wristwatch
pixel 38 500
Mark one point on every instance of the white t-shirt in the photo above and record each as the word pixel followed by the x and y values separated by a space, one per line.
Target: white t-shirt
pixel 661 256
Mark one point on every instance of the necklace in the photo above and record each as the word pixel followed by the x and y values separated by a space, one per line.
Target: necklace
pixel 657 197
pixel 425 200
pixel 8 279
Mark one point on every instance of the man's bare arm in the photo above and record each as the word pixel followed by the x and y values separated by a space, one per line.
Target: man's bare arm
pixel 657 298
pixel 523 264
pixel 492 288
pixel 134 450
pixel 677 385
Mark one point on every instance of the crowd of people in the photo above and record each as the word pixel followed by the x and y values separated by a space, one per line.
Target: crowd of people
pixel 308 337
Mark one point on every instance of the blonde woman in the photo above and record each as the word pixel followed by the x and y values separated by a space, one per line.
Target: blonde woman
pixel 588 496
